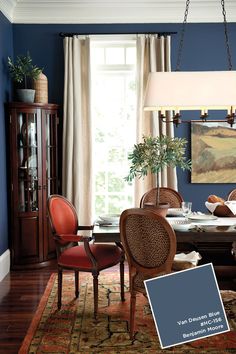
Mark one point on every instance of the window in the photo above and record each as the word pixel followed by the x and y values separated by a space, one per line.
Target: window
pixel 113 116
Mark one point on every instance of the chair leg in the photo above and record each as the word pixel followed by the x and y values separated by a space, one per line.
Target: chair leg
pixel 132 312
pixel 122 281
pixel 76 284
pixel 59 290
pixel 95 294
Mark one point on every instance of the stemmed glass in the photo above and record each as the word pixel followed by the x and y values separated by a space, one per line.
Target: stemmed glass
pixel 186 208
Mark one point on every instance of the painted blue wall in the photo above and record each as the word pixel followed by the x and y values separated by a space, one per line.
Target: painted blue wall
pixel 6 49
pixel 204 49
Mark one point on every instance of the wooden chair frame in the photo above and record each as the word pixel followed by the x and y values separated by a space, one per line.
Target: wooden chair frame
pixel 65 241
pixel 232 195
pixel 151 196
pixel 134 266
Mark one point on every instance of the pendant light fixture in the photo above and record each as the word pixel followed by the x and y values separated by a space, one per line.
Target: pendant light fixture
pixel 203 91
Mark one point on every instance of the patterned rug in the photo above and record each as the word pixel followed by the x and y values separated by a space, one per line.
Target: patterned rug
pixel 73 330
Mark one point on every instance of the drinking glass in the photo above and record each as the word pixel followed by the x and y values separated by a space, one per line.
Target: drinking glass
pixel 186 208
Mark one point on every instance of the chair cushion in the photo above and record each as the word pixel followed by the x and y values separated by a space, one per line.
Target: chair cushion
pixel 76 257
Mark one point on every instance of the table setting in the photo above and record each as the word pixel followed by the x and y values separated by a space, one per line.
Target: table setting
pixel 184 219
pixel 220 214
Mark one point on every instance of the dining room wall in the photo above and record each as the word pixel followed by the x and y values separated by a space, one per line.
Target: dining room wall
pixel 6 49
pixel 204 49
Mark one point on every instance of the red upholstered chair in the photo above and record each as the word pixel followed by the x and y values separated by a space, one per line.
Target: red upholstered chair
pixel 86 257
pixel 167 195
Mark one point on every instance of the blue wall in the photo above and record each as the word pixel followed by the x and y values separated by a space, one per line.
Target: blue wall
pixel 204 49
pixel 6 49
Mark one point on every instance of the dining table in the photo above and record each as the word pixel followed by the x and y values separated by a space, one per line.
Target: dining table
pixel 215 240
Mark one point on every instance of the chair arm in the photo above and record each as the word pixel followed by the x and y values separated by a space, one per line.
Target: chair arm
pixel 72 238
pixel 78 238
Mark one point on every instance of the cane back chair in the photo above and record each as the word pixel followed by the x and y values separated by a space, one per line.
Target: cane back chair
pixel 232 195
pixel 167 195
pixel 150 245
pixel 85 257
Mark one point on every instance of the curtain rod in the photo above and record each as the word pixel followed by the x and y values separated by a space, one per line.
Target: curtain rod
pixel 62 34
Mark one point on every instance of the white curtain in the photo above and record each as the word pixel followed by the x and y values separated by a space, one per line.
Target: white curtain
pixel 153 54
pixel 77 141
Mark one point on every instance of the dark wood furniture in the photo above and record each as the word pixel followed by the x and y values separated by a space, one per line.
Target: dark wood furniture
pixel 215 244
pixel 33 172
pixel 84 258
pixel 167 195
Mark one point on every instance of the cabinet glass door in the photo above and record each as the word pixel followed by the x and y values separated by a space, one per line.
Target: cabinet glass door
pixel 51 153
pixel 27 150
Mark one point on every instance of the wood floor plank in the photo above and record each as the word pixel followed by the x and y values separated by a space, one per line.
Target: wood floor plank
pixel 20 294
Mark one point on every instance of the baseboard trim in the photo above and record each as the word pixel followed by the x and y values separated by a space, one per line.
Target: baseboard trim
pixel 5 261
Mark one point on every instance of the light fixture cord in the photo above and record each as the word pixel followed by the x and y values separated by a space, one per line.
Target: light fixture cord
pixel 181 42
pixel 226 35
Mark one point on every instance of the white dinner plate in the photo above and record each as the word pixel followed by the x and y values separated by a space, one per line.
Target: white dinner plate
pixel 181 225
pixel 202 217
pixel 174 212
pixel 110 218
pixel 30 131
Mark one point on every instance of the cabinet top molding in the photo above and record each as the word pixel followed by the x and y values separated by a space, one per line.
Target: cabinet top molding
pixel 32 105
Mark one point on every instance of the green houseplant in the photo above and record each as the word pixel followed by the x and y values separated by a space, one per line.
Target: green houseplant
pixel 154 154
pixel 24 72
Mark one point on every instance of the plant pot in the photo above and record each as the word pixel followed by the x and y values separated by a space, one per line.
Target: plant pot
pixel 26 95
pixel 160 209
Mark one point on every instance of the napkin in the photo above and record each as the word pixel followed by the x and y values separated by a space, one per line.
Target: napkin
pixel 192 257
pixel 231 204
pixel 212 206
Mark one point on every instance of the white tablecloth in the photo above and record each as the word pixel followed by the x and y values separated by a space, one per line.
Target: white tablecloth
pixel 220 221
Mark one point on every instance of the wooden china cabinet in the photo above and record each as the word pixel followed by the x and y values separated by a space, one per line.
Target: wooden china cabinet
pixel 34 176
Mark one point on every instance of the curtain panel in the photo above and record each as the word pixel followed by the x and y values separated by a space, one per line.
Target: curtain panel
pixel 153 54
pixel 77 136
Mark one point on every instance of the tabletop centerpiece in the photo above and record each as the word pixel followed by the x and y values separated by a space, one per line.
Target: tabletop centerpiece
pixel 153 155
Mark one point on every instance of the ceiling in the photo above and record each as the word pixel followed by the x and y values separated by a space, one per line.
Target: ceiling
pixel 111 11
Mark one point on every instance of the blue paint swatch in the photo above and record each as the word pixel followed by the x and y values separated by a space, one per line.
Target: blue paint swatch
pixel 186 305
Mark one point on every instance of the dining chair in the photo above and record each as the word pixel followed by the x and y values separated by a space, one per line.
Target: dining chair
pixel 232 195
pixel 149 242
pixel 167 195
pixel 85 257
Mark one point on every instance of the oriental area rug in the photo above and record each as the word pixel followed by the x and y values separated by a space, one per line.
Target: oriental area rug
pixel 73 330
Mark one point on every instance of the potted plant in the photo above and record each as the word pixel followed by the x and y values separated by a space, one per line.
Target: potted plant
pixel 24 72
pixel 154 154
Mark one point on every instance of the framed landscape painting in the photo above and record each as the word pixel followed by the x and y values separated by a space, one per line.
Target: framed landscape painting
pixel 213 152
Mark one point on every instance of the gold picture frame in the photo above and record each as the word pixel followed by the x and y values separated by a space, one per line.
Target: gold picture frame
pixel 213 148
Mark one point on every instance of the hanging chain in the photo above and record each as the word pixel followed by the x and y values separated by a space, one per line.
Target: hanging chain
pixel 181 42
pixel 226 35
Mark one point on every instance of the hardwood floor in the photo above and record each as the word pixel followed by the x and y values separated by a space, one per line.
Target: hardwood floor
pixel 20 293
